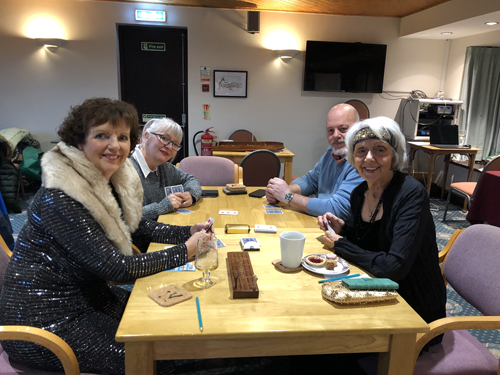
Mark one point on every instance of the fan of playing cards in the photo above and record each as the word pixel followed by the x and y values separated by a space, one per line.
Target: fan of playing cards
pixel 173 189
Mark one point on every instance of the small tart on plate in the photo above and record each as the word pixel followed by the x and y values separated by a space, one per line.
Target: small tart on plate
pixel 331 261
pixel 315 260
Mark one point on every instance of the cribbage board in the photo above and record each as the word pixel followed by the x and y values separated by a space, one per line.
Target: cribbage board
pixel 243 280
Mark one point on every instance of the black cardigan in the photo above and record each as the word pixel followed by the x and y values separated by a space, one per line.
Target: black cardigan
pixel 407 246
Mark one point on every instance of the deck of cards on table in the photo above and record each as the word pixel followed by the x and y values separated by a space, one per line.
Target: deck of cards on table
pixel 250 243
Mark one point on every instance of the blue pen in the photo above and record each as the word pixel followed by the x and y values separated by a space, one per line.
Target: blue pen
pixel 338 278
pixel 199 314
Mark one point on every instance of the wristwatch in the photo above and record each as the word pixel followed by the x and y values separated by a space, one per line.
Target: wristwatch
pixel 288 198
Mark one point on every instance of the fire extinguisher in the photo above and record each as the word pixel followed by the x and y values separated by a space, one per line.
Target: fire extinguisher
pixel 207 141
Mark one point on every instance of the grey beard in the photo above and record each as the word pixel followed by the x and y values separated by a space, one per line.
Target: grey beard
pixel 340 152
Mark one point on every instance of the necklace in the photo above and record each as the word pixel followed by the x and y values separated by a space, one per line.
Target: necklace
pixel 373 214
pixel 361 226
pixel 370 211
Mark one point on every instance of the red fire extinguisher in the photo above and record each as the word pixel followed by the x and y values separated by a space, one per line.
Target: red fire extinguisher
pixel 207 141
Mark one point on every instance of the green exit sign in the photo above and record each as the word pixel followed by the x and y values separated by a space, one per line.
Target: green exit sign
pixel 149 116
pixel 152 46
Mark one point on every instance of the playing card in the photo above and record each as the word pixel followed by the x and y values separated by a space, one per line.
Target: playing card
pixel 185 267
pixel 225 212
pixel 177 189
pixel 184 211
pixel 274 212
pixel 248 239
pixel 329 227
pixel 271 206
pixel 210 222
pixel 265 228
pixel 220 243
pixel 168 191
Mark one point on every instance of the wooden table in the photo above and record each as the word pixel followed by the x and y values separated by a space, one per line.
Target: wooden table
pixel 285 156
pixel 250 211
pixel 433 153
pixel 289 317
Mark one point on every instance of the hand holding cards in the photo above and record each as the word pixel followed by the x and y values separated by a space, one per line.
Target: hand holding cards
pixel 173 189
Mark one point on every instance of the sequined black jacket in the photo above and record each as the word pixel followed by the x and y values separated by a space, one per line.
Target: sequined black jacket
pixel 57 278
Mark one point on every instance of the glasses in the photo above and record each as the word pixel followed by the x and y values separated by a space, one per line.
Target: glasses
pixel 166 141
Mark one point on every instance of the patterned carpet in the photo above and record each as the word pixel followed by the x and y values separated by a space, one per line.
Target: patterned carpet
pixel 455 306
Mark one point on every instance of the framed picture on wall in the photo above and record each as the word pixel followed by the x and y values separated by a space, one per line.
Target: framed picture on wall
pixel 230 83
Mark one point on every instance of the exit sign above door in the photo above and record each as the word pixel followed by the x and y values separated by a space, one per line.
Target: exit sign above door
pixel 152 46
pixel 148 116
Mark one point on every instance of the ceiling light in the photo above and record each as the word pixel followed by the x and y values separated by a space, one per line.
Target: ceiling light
pixel 491 23
pixel 446 33
pixel 286 54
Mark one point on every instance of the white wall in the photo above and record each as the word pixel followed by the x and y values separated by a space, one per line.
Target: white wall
pixel 38 87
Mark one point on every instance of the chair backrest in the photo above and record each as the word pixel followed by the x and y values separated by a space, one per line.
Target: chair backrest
pixel 259 167
pixel 361 107
pixel 492 165
pixel 211 170
pixel 471 267
pixel 4 246
pixel 242 135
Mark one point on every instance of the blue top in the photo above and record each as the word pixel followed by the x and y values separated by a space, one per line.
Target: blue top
pixel 332 184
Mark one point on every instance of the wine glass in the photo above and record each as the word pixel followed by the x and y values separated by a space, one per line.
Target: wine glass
pixel 207 260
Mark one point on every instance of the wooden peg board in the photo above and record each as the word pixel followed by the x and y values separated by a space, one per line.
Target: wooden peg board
pixel 245 284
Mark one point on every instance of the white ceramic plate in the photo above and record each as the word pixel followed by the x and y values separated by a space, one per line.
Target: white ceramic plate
pixel 342 266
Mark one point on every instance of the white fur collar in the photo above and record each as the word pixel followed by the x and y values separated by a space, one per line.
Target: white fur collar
pixel 66 168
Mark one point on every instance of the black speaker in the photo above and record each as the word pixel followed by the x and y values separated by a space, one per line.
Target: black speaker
pixel 253 22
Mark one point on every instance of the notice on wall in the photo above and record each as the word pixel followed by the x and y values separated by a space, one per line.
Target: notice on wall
pixel 153 46
pixel 205 73
pixel 206 111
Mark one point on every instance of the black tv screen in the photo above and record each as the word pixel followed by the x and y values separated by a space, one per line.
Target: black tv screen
pixel 344 67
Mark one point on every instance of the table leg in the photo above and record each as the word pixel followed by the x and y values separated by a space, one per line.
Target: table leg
pixel 139 358
pixel 430 172
pixel 410 160
pixel 288 171
pixel 445 173
pixel 400 358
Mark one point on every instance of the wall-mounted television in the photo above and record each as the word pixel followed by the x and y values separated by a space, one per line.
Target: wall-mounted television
pixel 344 67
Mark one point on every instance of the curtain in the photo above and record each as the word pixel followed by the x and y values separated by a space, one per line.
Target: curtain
pixel 481 96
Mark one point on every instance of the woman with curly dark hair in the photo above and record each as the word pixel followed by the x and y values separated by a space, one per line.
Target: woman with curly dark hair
pixel 78 236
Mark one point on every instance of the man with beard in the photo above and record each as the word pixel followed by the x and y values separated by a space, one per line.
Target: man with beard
pixel 327 187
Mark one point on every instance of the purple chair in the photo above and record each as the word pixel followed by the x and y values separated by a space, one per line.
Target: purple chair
pixel 471 267
pixel 211 170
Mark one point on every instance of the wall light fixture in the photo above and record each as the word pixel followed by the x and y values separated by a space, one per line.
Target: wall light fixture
pixel 286 54
pixel 52 44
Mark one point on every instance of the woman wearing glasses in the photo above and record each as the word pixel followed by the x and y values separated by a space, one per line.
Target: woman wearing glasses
pixel 161 139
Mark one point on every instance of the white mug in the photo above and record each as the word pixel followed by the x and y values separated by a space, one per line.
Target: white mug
pixel 292 247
